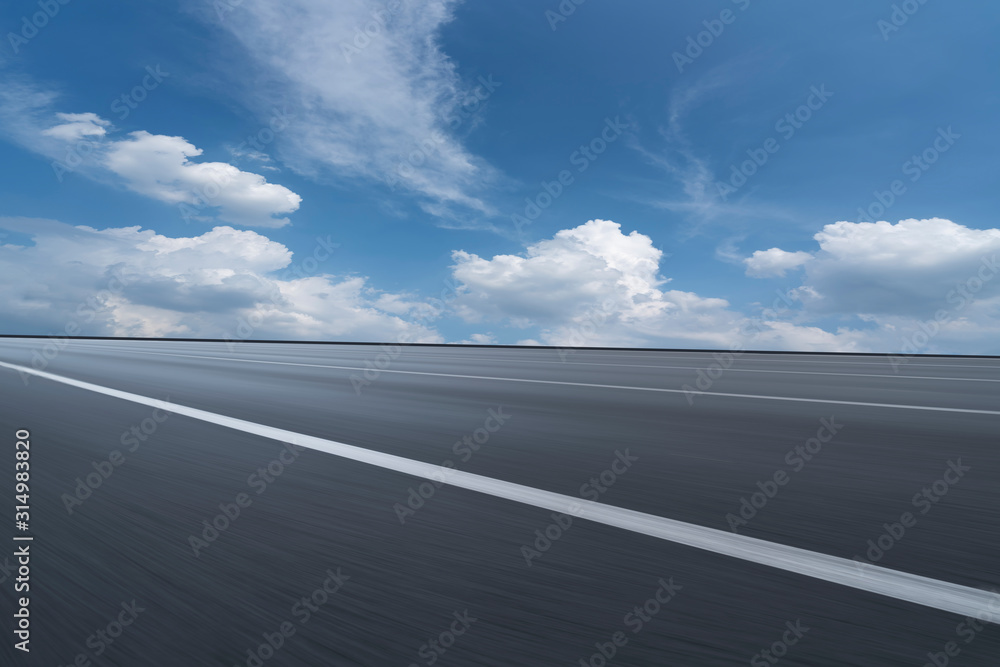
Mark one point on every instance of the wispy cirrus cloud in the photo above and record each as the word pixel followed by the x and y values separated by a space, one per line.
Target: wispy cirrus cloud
pixel 377 98
pixel 76 126
pixel 690 166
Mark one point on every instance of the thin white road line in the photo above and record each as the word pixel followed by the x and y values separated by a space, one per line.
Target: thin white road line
pixel 943 595
pixel 761 370
pixel 689 368
pixel 859 363
pixel 598 386
pixel 912 361
pixel 759 358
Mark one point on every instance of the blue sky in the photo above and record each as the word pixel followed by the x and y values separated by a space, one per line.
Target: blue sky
pixel 205 146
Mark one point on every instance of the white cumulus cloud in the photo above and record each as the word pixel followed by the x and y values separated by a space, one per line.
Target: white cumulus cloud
pixel 594 285
pixel 908 268
pixel 159 166
pixel 906 279
pixel 154 165
pixel 226 282
pixel 774 262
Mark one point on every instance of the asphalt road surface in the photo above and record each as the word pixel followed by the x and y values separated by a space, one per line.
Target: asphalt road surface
pixel 196 503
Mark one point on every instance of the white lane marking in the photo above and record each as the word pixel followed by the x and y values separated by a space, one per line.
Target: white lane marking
pixel 912 361
pixel 943 595
pixel 689 368
pixel 598 386
pixel 761 370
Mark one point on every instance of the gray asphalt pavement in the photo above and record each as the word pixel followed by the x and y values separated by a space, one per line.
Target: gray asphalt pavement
pixel 890 462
